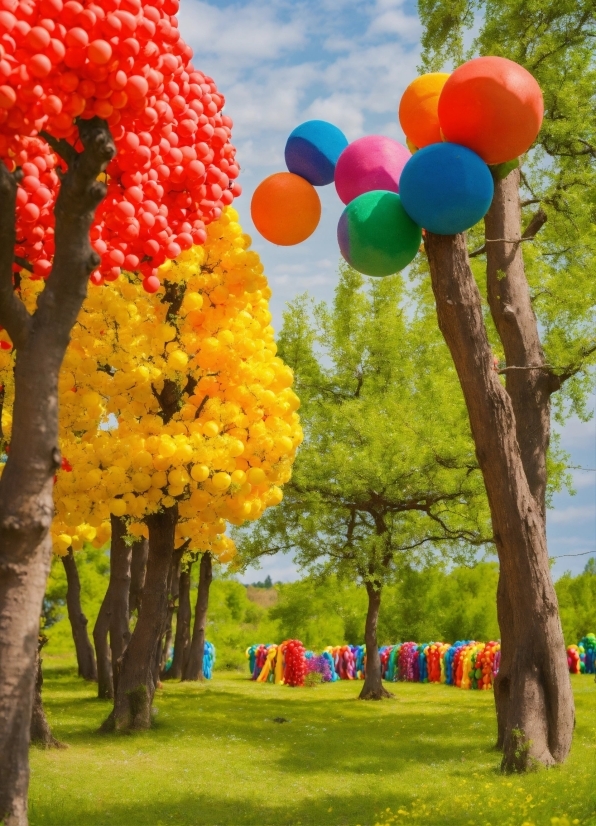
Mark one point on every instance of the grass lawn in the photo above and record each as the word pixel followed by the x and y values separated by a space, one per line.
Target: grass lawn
pixel 215 756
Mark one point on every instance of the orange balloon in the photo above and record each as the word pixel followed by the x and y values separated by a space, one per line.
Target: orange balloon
pixel 285 209
pixel 418 109
pixel 493 106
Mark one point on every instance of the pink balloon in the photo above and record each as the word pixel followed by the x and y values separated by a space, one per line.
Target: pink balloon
pixel 370 163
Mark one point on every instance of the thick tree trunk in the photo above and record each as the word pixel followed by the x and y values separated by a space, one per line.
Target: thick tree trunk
pixel 26 486
pixel 120 559
pixel 194 666
pixel 138 565
pixel 529 388
pixel 105 682
pixel 540 715
pixel 173 593
pixel 373 688
pixel 136 685
pixel 78 620
pixel 41 733
pixel 183 619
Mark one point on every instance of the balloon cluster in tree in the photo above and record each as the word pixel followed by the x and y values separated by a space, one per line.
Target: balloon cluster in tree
pixel 487 113
pixel 123 61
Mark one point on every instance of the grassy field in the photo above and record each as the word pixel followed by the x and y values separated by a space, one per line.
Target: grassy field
pixel 215 756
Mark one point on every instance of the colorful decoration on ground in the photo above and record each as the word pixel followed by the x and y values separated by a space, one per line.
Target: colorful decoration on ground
pixel 488 112
pixel 284 664
pixel 466 664
pixel 581 658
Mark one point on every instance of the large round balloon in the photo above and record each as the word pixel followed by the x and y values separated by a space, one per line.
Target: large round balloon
pixel 493 106
pixel 375 234
pixel 285 209
pixel 418 109
pixel 312 151
pixel 373 162
pixel 446 188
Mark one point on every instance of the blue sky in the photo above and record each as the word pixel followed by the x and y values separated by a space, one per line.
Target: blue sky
pixel 280 63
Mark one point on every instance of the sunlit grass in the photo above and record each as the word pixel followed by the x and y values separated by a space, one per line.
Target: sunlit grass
pixel 215 757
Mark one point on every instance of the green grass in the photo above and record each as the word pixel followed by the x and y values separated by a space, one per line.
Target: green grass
pixel 216 758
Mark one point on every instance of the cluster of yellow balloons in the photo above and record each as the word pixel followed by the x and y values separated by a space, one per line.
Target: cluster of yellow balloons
pixel 175 397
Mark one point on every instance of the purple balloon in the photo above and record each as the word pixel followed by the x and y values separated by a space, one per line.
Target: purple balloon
pixel 368 164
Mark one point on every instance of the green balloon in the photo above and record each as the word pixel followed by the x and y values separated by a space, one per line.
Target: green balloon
pixel 376 236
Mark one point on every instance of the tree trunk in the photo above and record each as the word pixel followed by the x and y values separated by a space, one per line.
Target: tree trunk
pixel 173 593
pixel 539 718
pixel 136 685
pixel 138 565
pixel 194 666
pixel 183 618
pixel 105 682
pixel 120 559
pixel 529 389
pixel 78 620
pixel 373 688
pixel 26 485
pixel 41 733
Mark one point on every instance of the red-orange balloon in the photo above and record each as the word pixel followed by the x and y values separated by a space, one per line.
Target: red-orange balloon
pixel 493 106
pixel 285 209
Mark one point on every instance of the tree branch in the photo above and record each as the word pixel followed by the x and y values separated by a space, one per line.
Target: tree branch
pixel 14 316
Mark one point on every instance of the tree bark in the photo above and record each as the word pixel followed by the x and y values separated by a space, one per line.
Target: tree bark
pixel 105 682
pixel 183 618
pixel 41 733
pixel 194 666
pixel 373 688
pixel 120 559
pixel 173 594
pixel 529 389
pixel 138 565
pixel 26 485
pixel 539 719
pixel 136 686
pixel 78 621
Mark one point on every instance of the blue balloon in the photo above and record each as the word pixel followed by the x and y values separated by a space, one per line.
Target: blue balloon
pixel 312 151
pixel 446 188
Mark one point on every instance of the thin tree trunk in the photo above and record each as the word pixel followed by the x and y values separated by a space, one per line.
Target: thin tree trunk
pixel 136 685
pixel 373 688
pixel 138 565
pixel 173 593
pixel 41 733
pixel 183 618
pixel 540 715
pixel 105 682
pixel 120 559
pixel 26 485
pixel 78 620
pixel 194 666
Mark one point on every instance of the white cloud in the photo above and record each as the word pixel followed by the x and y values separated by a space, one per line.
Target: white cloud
pixel 574 513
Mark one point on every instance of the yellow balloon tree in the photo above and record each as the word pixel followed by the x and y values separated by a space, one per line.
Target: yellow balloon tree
pixel 176 418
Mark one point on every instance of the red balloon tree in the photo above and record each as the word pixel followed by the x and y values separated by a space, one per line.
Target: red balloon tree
pixel 116 154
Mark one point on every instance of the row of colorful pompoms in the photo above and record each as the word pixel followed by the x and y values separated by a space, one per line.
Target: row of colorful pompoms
pixel 208 659
pixel 581 658
pixel 466 664
pixel 487 113
pixel 282 664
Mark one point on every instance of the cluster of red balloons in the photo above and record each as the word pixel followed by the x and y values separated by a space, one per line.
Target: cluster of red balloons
pixel 124 61
pixel 295 663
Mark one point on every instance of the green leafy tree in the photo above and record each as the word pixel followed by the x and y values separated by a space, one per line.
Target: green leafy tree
pixel 534 261
pixel 387 472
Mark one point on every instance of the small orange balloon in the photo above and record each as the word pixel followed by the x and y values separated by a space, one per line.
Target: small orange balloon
pixel 418 107
pixel 285 209
pixel 493 106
